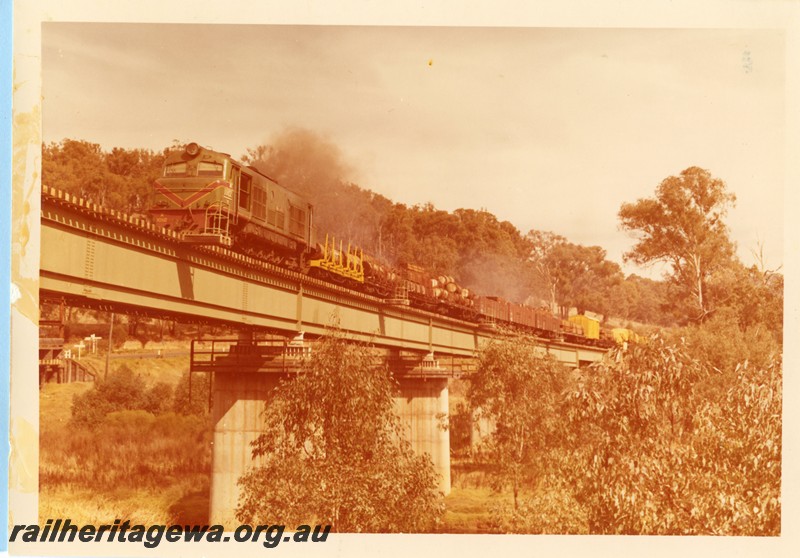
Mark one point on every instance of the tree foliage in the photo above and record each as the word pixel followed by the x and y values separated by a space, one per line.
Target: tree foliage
pixel 196 401
pixel 656 452
pixel 482 252
pixel 120 179
pixel 683 226
pixel 516 390
pixel 574 275
pixel 642 300
pixel 543 245
pixel 332 450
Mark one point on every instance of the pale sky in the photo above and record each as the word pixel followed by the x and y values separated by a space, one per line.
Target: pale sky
pixel 550 129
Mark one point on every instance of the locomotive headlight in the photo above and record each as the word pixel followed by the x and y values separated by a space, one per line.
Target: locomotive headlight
pixel 192 149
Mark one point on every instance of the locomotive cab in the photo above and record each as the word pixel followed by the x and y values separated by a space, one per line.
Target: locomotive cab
pixel 210 198
pixel 195 196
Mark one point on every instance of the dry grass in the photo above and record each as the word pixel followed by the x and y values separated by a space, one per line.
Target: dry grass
pixel 55 403
pixel 468 507
pixel 133 465
pixel 152 370
pixel 183 502
pixel 129 448
pixel 468 510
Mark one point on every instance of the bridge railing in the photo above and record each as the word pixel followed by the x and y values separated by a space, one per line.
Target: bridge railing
pixel 234 355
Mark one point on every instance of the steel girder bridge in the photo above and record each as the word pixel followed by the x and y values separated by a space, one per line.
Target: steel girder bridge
pixel 94 257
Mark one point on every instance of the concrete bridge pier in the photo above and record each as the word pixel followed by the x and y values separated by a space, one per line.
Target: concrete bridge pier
pixel 422 405
pixel 239 397
pixel 238 403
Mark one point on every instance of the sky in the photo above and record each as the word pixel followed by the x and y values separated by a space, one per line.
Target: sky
pixel 548 128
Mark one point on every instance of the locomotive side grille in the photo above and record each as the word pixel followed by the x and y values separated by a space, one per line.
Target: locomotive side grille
pixel 276 218
pixel 259 203
pixel 297 220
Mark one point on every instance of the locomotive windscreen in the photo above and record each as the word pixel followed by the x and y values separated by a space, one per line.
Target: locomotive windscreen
pixel 209 168
pixel 175 169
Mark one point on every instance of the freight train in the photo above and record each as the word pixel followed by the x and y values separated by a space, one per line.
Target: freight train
pixel 210 198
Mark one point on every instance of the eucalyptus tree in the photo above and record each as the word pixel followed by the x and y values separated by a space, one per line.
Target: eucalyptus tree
pixel 683 226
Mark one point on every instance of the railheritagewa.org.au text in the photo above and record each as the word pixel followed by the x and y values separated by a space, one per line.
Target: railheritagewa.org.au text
pixel 63 530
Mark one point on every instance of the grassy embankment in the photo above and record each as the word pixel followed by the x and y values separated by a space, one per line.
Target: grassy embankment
pixel 133 465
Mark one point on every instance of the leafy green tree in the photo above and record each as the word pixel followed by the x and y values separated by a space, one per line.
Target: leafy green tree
pixel 121 161
pixel 131 173
pixel 586 277
pixel 517 390
pixel 683 226
pixel 75 166
pixel 543 244
pixel 121 179
pixel 655 451
pixel 158 398
pixel 492 255
pixel 737 448
pixel 421 235
pixel 642 300
pixel 332 450
pixel 627 418
pixel 754 297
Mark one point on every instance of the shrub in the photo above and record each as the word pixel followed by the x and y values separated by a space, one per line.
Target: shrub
pixel 332 449
pixel 158 399
pixel 121 391
pixel 198 404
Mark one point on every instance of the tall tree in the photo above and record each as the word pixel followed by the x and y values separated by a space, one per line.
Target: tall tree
pixel 574 275
pixel 683 226
pixel 75 166
pixel 543 244
pixel 586 277
pixel 121 179
pixel 641 299
pixel 517 390
pixel 333 451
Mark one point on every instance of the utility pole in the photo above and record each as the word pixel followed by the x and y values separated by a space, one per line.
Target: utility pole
pixel 110 345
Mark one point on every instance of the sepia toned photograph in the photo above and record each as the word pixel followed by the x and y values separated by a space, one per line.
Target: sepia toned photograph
pixel 293 281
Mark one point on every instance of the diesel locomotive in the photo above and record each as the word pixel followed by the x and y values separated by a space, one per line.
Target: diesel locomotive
pixel 210 198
